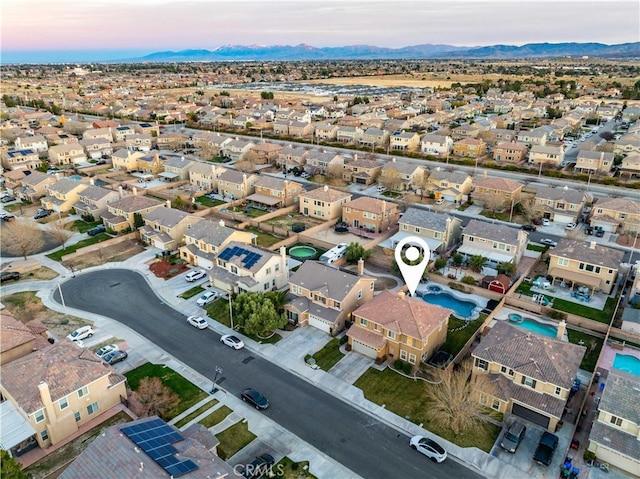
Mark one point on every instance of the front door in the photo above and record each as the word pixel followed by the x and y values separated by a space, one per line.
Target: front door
pixel 356 223
pixel 306 212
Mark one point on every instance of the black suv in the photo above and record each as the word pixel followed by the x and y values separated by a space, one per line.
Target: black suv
pixel 96 230
pixel 9 276
pixel 513 437
pixel 43 213
pixel 259 466
pixel 529 227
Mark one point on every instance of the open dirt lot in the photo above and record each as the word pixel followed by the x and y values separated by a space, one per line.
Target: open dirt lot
pixel 286 221
pixel 118 252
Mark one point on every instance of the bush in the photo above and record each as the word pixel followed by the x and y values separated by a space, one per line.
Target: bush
pixel 397 365
pixel 344 340
pixel 589 456
pixel 440 263
pixel 554 314
pixel 469 280
pixel 406 367
pixel 64 321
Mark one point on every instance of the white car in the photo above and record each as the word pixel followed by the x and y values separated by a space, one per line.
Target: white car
pixel 429 448
pixel 206 298
pixel 232 341
pixel 571 226
pixel 198 322
pixel 545 222
pixel 81 333
pixel 104 350
pixel 549 242
pixel 440 201
pixel 195 275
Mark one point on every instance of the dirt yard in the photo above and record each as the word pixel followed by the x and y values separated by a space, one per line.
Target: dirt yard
pixel 118 252
pixel 286 221
pixel 164 268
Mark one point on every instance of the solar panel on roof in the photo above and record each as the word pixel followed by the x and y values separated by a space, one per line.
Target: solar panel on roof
pixel 182 468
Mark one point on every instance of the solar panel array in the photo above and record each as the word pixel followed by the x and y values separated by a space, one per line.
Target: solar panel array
pixel 155 438
pixel 250 258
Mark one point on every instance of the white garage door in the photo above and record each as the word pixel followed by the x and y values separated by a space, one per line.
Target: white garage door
pixel 364 349
pixel 562 218
pixel 320 323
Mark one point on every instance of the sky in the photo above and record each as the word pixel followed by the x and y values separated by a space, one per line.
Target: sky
pixel 114 27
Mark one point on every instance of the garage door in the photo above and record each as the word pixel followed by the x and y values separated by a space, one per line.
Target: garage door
pixel 562 219
pixel 531 415
pixel 319 323
pixel 364 349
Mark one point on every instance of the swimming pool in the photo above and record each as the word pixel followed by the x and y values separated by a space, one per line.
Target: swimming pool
pixel 75 177
pixel 627 363
pixel 537 327
pixel 462 309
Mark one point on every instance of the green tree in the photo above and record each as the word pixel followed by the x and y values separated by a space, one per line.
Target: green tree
pixel 457 259
pixel 257 314
pixel 440 263
pixel 137 220
pixel 355 251
pixel 506 268
pixel 10 468
pixel 477 262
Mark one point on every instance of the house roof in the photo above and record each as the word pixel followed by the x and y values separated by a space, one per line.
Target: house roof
pixel 507 390
pixel 546 149
pixel 332 282
pixel 622 205
pixel 498 184
pixel 511 146
pixel 36 177
pixel 325 193
pixel 233 176
pixel 241 255
pixel 616 439
pixel 621 396
pixel 492 231
pixel 179 163
pixel 95 193
pixel 168 217
pixel 133 203
pixel 371 205
pixel 210 232
pixel 66 185
pixel 270 182
pixel 595 155
pixel 457 177
pixel 366 336
pixel 404 314
pixel 567 194
pixel 591 253
pixel 425 219
pixel 536 356
pixel 14 333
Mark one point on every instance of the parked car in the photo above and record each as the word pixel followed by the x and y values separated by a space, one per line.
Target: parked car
pixel 429 448
pixel 529 227
pixel 96 230
pixel 104 350
pixel 232 341
pixel 536 221
pixel 206 298
pixel 81 333
pixel 4 216
pixel 546 222
pixel 258 467
pixel 513 437
pixel 588 230
pixel 115 357
pixel 198 322
pixel 195 275
pixel 255 398
pixel 440 201
pixel 546 448
pixel 9 276
pixel 549 242
pixel 7 199
pixel 42 213
pixel 599 232
pixel 571 226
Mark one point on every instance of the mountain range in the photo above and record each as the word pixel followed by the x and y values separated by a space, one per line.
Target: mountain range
pixel 415 52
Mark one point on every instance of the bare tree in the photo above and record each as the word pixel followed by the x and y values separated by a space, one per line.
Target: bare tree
pixel 390 179
pixel 154 397
pixel 493 203
pixel 334 172
pixel 527 208
pixel 454 402
pixel 60 232
pixel 22 237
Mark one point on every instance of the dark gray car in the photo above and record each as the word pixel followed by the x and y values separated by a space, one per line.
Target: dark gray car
pixel 513 437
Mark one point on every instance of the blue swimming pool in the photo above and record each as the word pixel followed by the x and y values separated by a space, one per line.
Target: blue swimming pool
pixel 540 328
pixel 627 363
pixel 462 309
pixel 75 177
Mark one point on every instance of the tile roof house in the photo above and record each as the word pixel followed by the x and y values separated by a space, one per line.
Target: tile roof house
pixel 326 131
pixel 68 386
pixel 98 133
pixel 404 141
pixel 537 136
pixel 496 242
pixel 393 326
pixel 241 267
pixel 236 149
pixel 469 147
pixel 139 142
pixel 92 201
pixel 594 162
pixel 323 203
pixel 164 228
pixel 36 143
pixel 578 263
pixel 121 214
pixel 177 169
pixel 614 435
pixel 204 176
pixel 506 191
pixel 441 231
pixel 62 195
pixel 21 160
pixel 324 296
pixel 349 134
pixel 33 186
pixel 292 156
pixel 126 160
pixel 205 239
pixel 453 186
pixel 532 374
pixel 67 154
pixel 265 153
pixel 616 215
pixel 546 155
pixel 362 171
pixel 630 165
pixel 374 138
pixel 18 339
pixel 235 184
pixel 402 176
pixel 366 215
pixel 561 205
pixel 272 192
pixel 97 148
pixel 318 162
pixel 510 152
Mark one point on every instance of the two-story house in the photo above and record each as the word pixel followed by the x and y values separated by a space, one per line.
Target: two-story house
pixel 205 239
pixel 630 166
pixel 496 242
pixel 402 176
pixel 164 228
pixel 349 134
pixel 453 186
pixel 546 155
pixel 104 133
pixel 319 162
pixel 323 203
pixel 265 153
pixel 120 133
pixel 578 263
pixel 204 176
pixel 68 386
pixel 62 195
pixel 241 267
pixel 126 160
pixel 531 374
pixel 324 297
pixel 292 157
pixel 36 143
pixel 374 138
pixel 371 215
pixel 21 160
pixel 33 186
pixel 18 339
pixel 237 150
pixel 616 215
pixel 510 152
pixel 396 326
pixel 361 170
pixel 235 184
pixel 93 200
pixel 272 192
pixel 326 131
pixel 506 192
pixel 440 231
pixel 129 212
pixel 436 144
pixel 177 169
pixel 404 141
pixel 469 147
pixel 614 435
pixel 594 162
pixel 535 137
pixel 96 148
pixel 67 154
pixel 561 205
pixel 465 131
pixel 213 142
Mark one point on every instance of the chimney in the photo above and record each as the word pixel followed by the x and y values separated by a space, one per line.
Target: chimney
pixel 401 295
pixel 360 267
pixel 562 327
pixel 355 157
pixel 484 174
pixel 92 182
pixel 168 203
pixel 592 245
pixel 135 191
pixel 45 397
pixel 325 188
pixel 57 176
pixel 221 223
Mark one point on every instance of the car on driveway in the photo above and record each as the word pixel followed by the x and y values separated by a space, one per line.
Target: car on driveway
pixel 546 222
pixel 104 350
pixel 7 199
pixel 571 226
pixel 81 333
pixel 259 467
pixel 232 341
pixel 9 276
pixel 194 275
pixel 206 298
pixel 255 398
pixel 513 437
pixel 529 227
pixel 549 242
pixel 115 357
pixel 4 216
pixel 198 322
pixel 429 448
pixel 42 213
pixel 96 230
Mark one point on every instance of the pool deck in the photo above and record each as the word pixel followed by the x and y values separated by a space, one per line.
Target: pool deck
pixel 503 315
pixel 480 301
pixel 608 354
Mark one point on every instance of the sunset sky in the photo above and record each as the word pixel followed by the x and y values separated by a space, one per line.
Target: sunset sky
pixel 153 25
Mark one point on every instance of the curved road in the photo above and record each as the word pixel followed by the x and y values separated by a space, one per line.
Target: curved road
pixel 358 441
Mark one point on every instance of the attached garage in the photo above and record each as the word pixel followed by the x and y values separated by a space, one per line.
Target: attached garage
pixel 531 415
pixel 563 219
pixel 364 349
pixel 321 324
pixel 367 342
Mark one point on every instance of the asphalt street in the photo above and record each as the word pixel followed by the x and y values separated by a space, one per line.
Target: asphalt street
pixel 350 436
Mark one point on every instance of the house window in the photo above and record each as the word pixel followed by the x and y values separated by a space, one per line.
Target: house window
pixel 616 421
pixel 63 403
pixel 83 392
pixel 268 270
pixel 277 267
pixel 234 269
pixel 482 364
pixel 563 262
pixel 77 416
pixel 39 415
pixel 336 304
pixel 412 358
pixel 91 408
pixel 44 435
pixel 483 398
pixel 495 405
pixel 511 372
pixel 403 355
pixel 364 322
pixel 503 369
pixel 527 381
pixel 558 390
pixel 391 334
pixel 266 286
pixel 360 294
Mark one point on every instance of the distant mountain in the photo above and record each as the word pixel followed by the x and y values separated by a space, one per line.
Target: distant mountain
pixel 368 52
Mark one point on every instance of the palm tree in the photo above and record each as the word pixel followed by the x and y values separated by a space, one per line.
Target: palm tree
pixel 477 262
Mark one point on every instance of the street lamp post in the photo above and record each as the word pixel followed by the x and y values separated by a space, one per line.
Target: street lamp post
pixel 62 298
pixel 214 389
pixel 230 308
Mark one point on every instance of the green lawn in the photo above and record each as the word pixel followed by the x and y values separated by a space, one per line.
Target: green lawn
pixel 251 212
pixel 525 288
pixel 593 345
pixel 208 202
pixel 196 413
pixel 264 239
pixel 190 293
pixel 57 255
pixel 219 311
pixel 329 355
pixel 188 392
pixel 459 332
pixel 406 398
pixel 496 215
pixel 233 439
pixel 537 247
pixel 82 226
pixel 216 416
pixel 287 469
pixel 391 194
pixel 602 316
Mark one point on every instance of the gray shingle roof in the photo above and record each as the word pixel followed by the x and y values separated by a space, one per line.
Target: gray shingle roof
pixel 210 232
pixel 425 219
pixel 169 217
pixel 316 276
pixel 582 251
pixel 495 232
pixel 555 194
pixel 621 396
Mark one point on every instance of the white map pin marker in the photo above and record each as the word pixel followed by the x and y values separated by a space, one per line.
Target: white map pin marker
pixel 412 273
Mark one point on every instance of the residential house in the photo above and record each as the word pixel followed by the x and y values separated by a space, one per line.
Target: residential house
pixel 33 186
pixel 608 111
pixel 68 386
pixel 469 148
pixel 237 150
pixel 614 435
pixel 546 155
pixel 36 143
pixel 616 215
pixel 139 142
pixel 500 135
pixel 67 154
pixel 96 148
pixel 402 176
pixel 271 192
pixel 265 153
pixel 436 144
pixel 630 165
pixel 152 129
pixel 324 297
pixel 578 263
pixel 510 152
pixel 241 267
pixel 92 201
pixel 627 144
pixel 129 212
pixel 204 176
pixel 18 339
pixel 126 160
pixel 440 231
pixel 177 169
pixel 531 374
pixel 320 162
pixel 374 138
pixel 98 133
pixel 164 228
pixel 104 124
pixel 453 186
pixel 152 164
pixel 404 141
pixel 205 239
pixel 561 205
pixel 394 326
pixel 535 137
pixel 466 131
pixel 62 195
pixel 497 191
pixel 326 131
pixel 323 203
pixel 349 134
pixel 370 215
pixel 594 162
pixel 120 133
pixel 171 140
pixel 292 157
pixel 21 160
pixel 300 129
pixel 362 171
pixel 235 184
pixel 13 179
pixel 497 242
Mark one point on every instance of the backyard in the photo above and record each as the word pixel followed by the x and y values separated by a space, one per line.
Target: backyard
pixel 459 332
pixel 593 345
pixel 286 221
pixel 264 239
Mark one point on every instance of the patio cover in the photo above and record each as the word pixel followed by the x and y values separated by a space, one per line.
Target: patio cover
pixel 575 276
pixel 492 255
pixel 169 175
pixel 391 243
pixel 264 199
pixel 15 428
